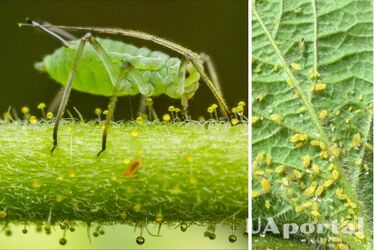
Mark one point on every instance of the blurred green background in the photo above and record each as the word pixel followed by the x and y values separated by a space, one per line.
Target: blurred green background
pixel 218 28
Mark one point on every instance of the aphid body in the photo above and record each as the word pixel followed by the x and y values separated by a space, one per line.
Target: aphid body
pixel 113 68
pixel 152 73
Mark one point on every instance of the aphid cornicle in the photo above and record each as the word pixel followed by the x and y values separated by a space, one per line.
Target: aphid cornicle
pixel 114 68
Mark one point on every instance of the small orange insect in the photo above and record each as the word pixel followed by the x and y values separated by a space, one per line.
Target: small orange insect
pixel 133 167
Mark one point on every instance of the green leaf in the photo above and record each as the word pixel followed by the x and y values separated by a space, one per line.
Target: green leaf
pixel 312 97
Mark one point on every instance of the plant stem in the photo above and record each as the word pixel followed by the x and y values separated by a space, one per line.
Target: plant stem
pixel 188 172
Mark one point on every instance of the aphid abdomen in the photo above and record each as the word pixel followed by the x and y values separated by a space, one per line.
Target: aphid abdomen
pixel 91 76
pixel 145 59
pixel 166 79
pixel 153 73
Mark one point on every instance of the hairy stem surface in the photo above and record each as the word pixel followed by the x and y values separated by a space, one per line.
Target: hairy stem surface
pixel 191 172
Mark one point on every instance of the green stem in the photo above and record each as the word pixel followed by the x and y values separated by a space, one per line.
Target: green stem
pixel 190 172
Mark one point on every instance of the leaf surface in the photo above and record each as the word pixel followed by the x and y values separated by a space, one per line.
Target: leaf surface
pixel 312 99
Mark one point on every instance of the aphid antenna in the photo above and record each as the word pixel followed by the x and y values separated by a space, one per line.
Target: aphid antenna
pixel 32 23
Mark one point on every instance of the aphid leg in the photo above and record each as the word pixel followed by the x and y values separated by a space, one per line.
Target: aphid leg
pixel 68 36
pixel 213 75
pixel 185 105
pixel 112 104
pixel 184 99
pixel 142 105
pixel 212 87
pixel 68 88
pixel 116 78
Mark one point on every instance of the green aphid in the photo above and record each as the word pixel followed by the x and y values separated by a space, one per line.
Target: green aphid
pixel 114 68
